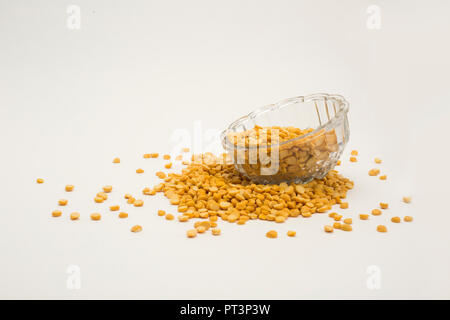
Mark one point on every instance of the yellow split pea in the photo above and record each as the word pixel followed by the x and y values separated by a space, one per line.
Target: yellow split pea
pixel 116 160
pixel 40 180
pixel 62 202
pixel 136 228
pixel 74 216
pixel 328 229
pixel 272 234
pixel 291 233
pixel 69 188
pixel 139 170
pixel 123 215
pixel 107 188
pixel 96 216
pixel 384 205
pixel 56 213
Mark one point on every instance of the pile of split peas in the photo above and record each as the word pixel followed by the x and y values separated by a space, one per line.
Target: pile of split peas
pixel 209 188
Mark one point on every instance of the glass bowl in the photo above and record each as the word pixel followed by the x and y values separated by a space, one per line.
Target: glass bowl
pixel 299 160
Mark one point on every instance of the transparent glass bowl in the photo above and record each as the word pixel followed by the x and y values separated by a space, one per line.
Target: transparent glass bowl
pixel 297 160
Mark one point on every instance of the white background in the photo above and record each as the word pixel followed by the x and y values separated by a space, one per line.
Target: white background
pixel 138 71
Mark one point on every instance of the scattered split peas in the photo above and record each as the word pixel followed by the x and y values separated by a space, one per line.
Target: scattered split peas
pixel 291 233
pixel 138 203
pixel 381 228
pixel 96 216
pixel 344 205
pixel 364 216
pixel 346 227
pixel 328 229
pixel 69 188
pixel 98 199
pixel 374 172
pixel 396 219
pixel 74 216
pixel 337 225
pixel 407 199
pixel 107 188
pixel 191 233
pixel 56 213
pixel 348 221
pixel 40 180
pixel 102 195
pixel 62 202
pixel 384 205
pixel 136 228
pixel 272 234
pixel 376 212
pixel 215 232
pixel 161 213
pixel 123 215
pixel 114 208
pixel 169 216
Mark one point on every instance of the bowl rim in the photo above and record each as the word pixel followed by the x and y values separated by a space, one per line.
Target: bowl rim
pixel 343 110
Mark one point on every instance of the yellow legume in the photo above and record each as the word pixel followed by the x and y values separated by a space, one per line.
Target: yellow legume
pixel 138 203
pixel 114 208
pixel 136 228
pixel 215 232
pixel 348 221
pixel 161 213
pixel 291 233
pixel 337 225
pixel 408 218
pixel 364 216
pixel 328 229
pixel 96 216
pixel 271 234
pixel 183 218
pixel 40 180
pixel 354 152
pixel 139 170
pixel 169 216
pixel 376 212
pixel 353 159
pixel 185 149
pixel 347 227
pixel 147 155
pixel 396 219
pixel 123 215
pixel 168 165
pixel 116 160
pixel 384 205
pixel 383 177
pixel 74 216
pixel 191 233
pixel 107 189
pixel 98 199
pixel 131 200
pixel 56 213
pixel 337 217
pixel 200 229
pixel 166 157
pixel 374 172
pixel 381 228
pixel 69 187
pixel 344 205
pixel 406 199
pixel 377 160
pixel 102 195
pixel 62 202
